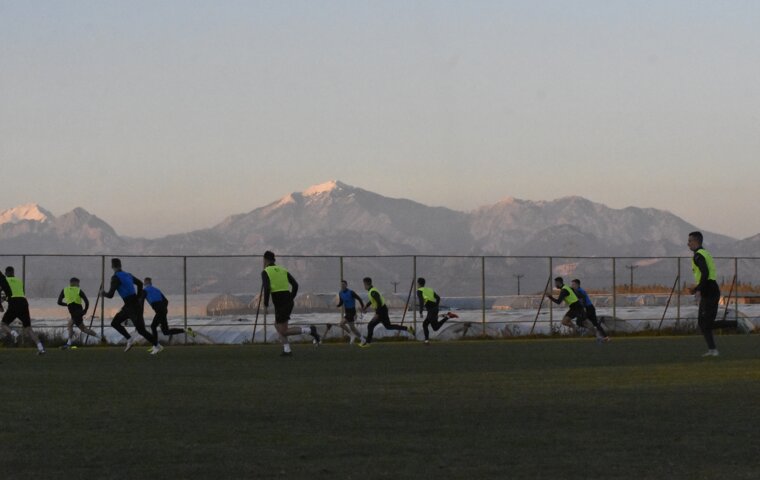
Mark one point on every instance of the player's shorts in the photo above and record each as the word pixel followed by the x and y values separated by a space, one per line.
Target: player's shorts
pixel 350 315
pixel 283 306
pixel 18 308
pixel 591 313
pixel 577 312
pixel 77 313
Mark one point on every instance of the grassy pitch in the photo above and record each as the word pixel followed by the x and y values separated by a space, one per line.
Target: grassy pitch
pixel 638 408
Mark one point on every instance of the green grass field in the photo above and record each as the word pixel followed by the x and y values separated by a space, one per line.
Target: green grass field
pixel 638 408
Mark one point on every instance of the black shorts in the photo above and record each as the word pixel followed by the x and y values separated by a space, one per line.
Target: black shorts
pixel 577 312
pixel 18 308
pixel 77 313
pixel 350 315
pixel 591 313
pixel 283 306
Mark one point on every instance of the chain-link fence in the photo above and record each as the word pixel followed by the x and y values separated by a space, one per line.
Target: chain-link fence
pixel 217 297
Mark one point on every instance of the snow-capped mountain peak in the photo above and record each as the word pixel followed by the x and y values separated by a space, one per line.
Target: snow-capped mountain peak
pixel 29 211
pixel 327 187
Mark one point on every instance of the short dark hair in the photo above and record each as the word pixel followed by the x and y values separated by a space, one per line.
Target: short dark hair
pixel 9 271
pixel 115 263
pixel 148 280
pixel 421 281
pixel 698 236
pixel 269 255
pixel 73 279
pixel 367 280
pixel 559 279
pixel 344 281
pixel 575 280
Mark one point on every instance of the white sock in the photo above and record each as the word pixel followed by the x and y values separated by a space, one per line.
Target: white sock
pixel 14 333
pixel 40 347
pixel 286 348
pixel 305 330
pixel 68 342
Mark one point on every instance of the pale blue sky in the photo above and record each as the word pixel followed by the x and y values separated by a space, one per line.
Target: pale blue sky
pixel 166 116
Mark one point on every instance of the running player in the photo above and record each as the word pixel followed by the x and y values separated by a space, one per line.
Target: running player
pixel 130 290
pixel 429 300
pixel 160 305
pixel 283 287
pixel 18 308
pixel 381 314
pixel 72 297
pixel 575 310
pixel 585 300
pixel 347 300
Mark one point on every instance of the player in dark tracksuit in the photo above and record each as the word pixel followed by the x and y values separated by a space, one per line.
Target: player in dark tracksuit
pixel 283 288
pixel 590 310
pixel 707 292
pixel 130 290
pixel 381 314
pixel 575 307
pixel 160 305
pixel 429 300
pixel 18 308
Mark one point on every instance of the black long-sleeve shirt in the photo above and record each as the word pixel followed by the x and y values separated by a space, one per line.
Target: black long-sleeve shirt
pixel 706 286
pixel 268 288
pixel 5 287
pixel 421 301
pixel 562 294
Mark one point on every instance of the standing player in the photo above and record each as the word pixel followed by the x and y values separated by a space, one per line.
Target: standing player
pixel 18 308
pixel 585 300
pixel 707 292
pixel 283 287
pixel 429 300
pixel 347 300
pixel 381 314
pixel 72 297
pixel 125 284
pixel 160 305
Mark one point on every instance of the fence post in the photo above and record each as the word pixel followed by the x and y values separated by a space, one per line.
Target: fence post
pixel 103 298
pixel 551 304
pixel 678 294
pixel 414 279
pixel 184 293
pixel 341 268
pixel 483 293
pixel 736 297
pixel 614 289
pixel 23 271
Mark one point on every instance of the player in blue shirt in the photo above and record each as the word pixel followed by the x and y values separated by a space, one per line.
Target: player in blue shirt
pixel 347 300
pixel 160 305
pixel 585 300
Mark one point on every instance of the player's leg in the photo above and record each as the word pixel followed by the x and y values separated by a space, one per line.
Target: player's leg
pixel 371 328
pixel 26 321
pixel 705 321
pixel 118 323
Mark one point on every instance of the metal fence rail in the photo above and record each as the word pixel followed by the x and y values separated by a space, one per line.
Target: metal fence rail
pixel 488 286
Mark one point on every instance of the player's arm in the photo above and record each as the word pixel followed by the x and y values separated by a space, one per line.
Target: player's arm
pixel 559 299
pixel 60 299
pixel 85 300
pixel 437 299
pixel 265 288
pixel 376 296
pixel 114 285
pixel 293 285
pixel 357 297
pixel 139 284
pixel 421 302
pixel 340 301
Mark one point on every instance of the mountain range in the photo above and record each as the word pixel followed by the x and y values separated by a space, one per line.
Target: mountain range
pixel 334 218
pixel 338 219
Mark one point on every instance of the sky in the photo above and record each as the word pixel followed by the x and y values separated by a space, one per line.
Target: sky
pixel 167 116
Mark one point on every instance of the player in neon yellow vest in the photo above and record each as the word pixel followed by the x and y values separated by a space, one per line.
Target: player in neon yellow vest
pixel 575 310
pixel 283 288
pixel 18 308
pixel 707 292
pixel 429 300
pixel 381 314
pixel 72 297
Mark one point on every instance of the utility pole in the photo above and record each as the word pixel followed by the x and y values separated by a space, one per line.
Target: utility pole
pixel 518 276
pixel 631 268
pixel 395 284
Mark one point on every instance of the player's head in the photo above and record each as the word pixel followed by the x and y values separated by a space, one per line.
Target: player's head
pixel 343 285
pixel 558 282
pixel 74 282
pixel 421 282
pixel 116 264
pixel 9 272
pixel 148 281
pixel 695 241
pixel 575 283
pixel 367 282
pixel 269 257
